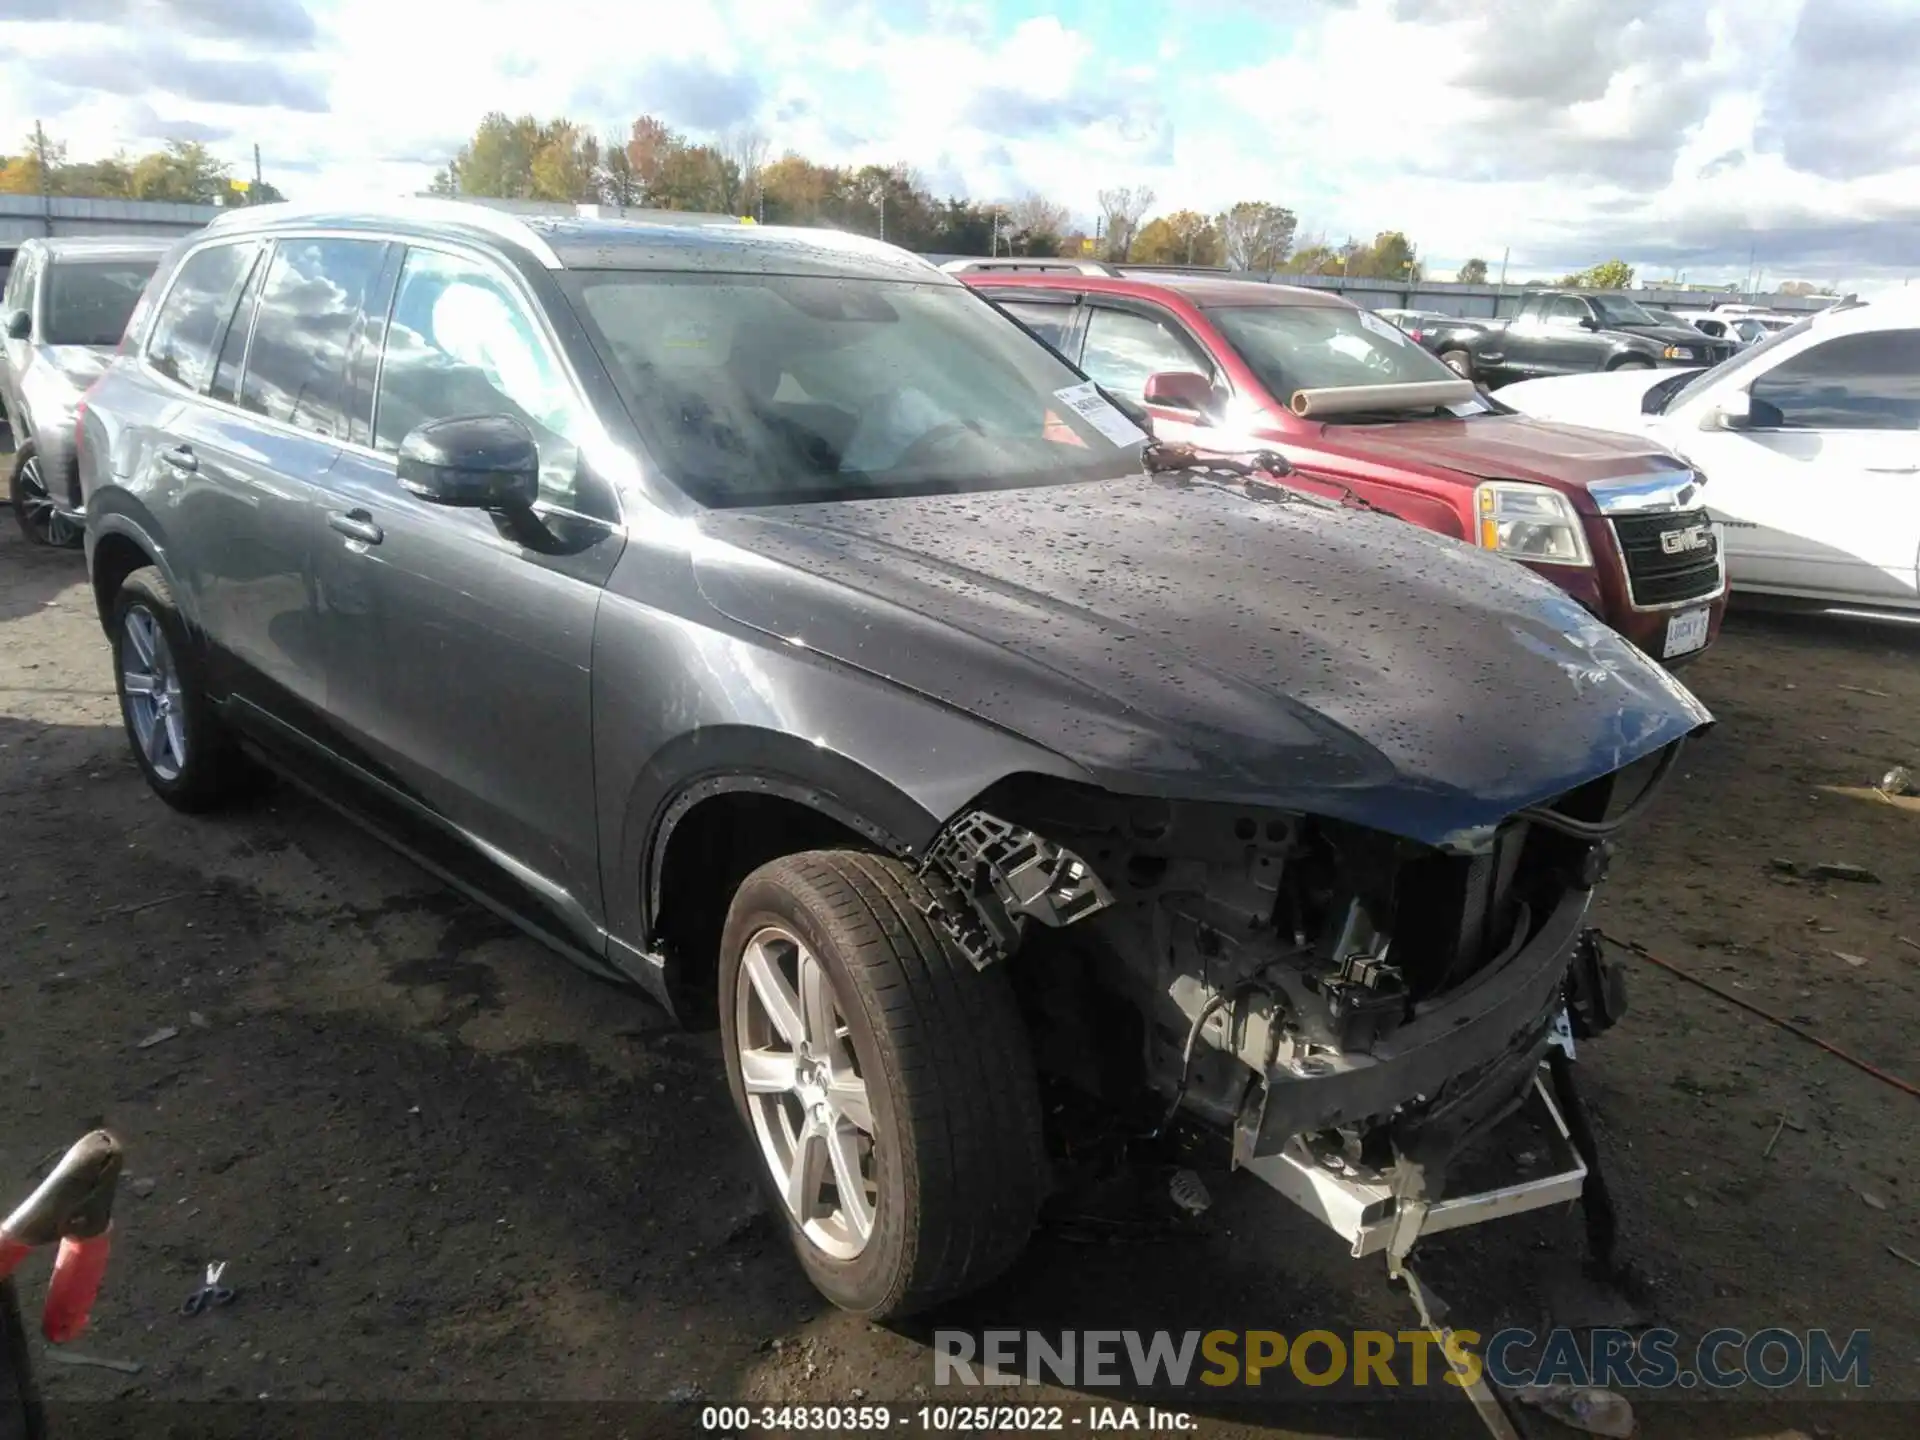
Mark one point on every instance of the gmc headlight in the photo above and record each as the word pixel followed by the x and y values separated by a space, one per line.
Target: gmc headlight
pixel 1529 522
pixel 1677 352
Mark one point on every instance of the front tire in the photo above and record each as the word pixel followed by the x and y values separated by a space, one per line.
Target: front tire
pixel 1632 365
pixel 1459 362
pixel 34 510
pixel 886 1083
pixel 177 737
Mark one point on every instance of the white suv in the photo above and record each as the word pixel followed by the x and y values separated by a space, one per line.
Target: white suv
pixel 1811 438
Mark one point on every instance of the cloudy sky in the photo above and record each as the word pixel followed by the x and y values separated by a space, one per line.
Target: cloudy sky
pixel 1677 134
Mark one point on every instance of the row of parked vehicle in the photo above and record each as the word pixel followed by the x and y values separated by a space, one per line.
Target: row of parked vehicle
pixel 1187 697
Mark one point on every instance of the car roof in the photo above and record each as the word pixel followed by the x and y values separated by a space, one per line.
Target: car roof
pixel 1208 292
pixel 101 247
pixel 647 240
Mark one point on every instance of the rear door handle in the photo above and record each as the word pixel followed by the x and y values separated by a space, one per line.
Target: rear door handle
pixel 356 525
pixel 181 457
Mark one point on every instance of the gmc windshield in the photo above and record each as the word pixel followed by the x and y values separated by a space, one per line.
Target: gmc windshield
pixel 1314 347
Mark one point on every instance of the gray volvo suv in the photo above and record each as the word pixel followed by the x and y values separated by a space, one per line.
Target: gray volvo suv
pixel 762 618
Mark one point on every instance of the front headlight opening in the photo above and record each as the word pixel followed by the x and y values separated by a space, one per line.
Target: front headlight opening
pixel 1530 522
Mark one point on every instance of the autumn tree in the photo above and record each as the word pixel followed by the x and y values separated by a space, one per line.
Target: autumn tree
pixel 1607 275
pixel 1474 272
pixel 1389 257
pixel 1256 235
pixel 1123 209
pixel 1037 224
pixel 1185 237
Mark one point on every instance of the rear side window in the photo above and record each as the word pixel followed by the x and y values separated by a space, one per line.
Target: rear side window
pixel 312 308
pixel 1869 381
pixel 195 313
pixel 233 349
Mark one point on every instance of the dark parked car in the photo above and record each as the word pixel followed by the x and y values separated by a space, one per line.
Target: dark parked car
pixel 1430 329
pixel 762 618
pixel 64 309
pixel 1228 364
pixel 1568 332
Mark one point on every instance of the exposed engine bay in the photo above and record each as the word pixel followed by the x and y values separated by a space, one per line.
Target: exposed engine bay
pixel 1287 979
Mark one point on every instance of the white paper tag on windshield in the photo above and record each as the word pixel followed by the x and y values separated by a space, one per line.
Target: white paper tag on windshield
pixel 1384 328
pixel 1090 405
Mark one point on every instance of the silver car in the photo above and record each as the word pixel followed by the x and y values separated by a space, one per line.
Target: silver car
pixel 66 306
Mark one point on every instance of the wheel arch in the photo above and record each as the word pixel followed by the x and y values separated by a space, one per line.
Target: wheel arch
pixel 742 797
pixel 117 546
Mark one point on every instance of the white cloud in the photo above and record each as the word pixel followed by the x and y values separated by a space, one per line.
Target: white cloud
pixel 1674 133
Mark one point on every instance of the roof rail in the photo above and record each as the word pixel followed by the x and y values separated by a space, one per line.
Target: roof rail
pixel 501 223
pixel 1058 265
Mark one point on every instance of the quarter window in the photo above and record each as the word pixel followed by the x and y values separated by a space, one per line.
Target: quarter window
pixel 311 309
pixel 196 312
pixel 461 343
pixel 1868 381
pixel 1050 322
pixel 1123 349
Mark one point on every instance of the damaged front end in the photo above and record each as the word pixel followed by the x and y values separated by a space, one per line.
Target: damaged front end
pixel 1350 1008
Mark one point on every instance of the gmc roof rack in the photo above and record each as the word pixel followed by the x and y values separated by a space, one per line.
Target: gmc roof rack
pixel 1032 263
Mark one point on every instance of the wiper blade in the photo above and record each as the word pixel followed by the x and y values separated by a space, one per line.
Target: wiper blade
pixel 1257 471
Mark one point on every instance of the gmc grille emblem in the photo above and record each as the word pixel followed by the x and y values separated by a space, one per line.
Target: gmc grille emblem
pixel 1679 542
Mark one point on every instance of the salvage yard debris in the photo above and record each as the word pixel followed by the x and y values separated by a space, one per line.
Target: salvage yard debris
pixel 158 1037
pixel 1827 870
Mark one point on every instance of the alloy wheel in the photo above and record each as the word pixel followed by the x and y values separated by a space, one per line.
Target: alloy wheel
pixel 150 690
pixel 39 516
pixel 805 1094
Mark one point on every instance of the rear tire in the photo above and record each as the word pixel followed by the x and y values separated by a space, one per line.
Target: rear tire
pixel 34 510
pixel 178 740
pixel 949 1168
pixel 1460 362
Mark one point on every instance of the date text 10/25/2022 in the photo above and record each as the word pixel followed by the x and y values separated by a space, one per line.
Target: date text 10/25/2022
pixel 942 1419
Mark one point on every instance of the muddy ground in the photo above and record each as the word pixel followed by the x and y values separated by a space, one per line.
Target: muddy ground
pixel 443 1166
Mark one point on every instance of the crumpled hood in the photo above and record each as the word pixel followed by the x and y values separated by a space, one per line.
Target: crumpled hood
pixel 1191 642
pixel 1507 447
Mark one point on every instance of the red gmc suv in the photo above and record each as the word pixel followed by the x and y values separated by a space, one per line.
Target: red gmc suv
pixel 1360 409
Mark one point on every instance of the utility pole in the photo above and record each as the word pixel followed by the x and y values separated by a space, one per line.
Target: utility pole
pixel 1505 255
pixel 46 177
pixel 253 195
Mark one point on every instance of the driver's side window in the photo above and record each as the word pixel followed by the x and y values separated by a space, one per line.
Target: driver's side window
pixel 1566 310
pixel 461 343
pixel 1123 349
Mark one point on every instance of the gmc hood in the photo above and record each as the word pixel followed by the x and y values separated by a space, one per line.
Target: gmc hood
pixel 1194 643
pixel 1503 447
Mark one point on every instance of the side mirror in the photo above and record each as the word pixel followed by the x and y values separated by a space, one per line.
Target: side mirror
pixel 485 462
pixel 1180 390
pixel 1735 412
pixel 19 325
pixel 1587 322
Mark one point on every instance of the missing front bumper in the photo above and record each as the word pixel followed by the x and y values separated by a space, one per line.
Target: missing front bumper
pixel 1361 1206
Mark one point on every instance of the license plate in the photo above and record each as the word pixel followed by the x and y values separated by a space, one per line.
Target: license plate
pixel 1686 632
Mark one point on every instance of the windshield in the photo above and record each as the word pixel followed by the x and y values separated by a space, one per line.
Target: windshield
pixel 88 302
pixel 1667 395
pixel 1613 311
pixel 1314 347
pixel 781 389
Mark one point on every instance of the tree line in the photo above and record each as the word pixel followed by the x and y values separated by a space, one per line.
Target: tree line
pixel 182 172
pixel 648 164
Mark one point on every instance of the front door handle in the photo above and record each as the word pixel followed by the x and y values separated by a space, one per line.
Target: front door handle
pixel 356 525
pixel 181 457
